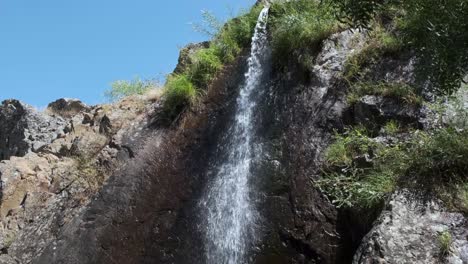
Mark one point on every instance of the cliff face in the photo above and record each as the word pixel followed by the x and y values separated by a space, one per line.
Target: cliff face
pixel 109 184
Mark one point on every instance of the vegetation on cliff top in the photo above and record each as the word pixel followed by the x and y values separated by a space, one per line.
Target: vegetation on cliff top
pixel 182 89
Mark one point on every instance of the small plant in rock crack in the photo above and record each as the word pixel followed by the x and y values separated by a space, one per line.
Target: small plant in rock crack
pixel 445 243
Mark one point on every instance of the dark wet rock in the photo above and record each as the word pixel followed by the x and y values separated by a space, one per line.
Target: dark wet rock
pixel 373 112
pixel 299 114
pixel 105 125
pixel 67 107
pixel 408 231
pixel 24 129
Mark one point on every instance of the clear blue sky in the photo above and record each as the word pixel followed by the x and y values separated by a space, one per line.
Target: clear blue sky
pixel 57 48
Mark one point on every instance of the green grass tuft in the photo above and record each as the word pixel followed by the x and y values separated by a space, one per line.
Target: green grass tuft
pixel 298 27
pixel 179 93
pixel 121 89
pixel 399 91
pixel 445 243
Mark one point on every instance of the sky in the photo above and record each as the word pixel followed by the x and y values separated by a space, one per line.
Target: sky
pixel 52 49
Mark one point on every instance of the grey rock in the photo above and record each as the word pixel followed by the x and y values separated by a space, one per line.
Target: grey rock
pixel 408 230
pixel 24 129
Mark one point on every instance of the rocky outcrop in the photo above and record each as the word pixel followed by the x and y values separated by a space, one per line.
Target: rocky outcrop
pixel 185 55
pixel 25 129
pixel 409 230
pixel 44 190
pixel 67 107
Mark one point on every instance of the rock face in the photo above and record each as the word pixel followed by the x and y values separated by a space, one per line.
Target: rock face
pixel 299 115
pixel 24 129
pixel 41 191
pixel 408 231
pixel 109 184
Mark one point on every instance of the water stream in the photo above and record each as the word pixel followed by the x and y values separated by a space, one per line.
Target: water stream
pixel 230 211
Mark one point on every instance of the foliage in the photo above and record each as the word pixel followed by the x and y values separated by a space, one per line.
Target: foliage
pixel 438 30
pixel 229 39
pixel 360 172
pixel 299 25
pixel 392 127
pixel 445 243
pixel 354 174
pixel 121 89
pixel 205 65
pixel 395 90
pixel 357 13
pixel 434 28
pixel 179 92
pixel 439 157
pixel 380 43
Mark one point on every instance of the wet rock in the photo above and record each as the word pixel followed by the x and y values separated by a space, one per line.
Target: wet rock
pixel 408 232
pixel 105 125
pixel 24 129
pixel 67 107
pixel 375 111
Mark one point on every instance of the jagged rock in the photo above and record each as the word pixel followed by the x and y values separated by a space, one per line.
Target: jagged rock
pixel 408 232
pixel 24 129
pixel 374 111
pixel 67 107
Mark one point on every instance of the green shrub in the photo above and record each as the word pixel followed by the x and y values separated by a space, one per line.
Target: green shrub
pixel 434 28
pixel 299 26
pixel 179 93
pixel 392 127
pixel 439 157
pixel 229 39
pixel 121 89
pixel 347 147
pixel 205 65
pixel 354 175
pixel 399 91
pixel 434 163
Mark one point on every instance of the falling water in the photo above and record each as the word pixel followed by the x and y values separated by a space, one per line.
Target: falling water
pixel 230 213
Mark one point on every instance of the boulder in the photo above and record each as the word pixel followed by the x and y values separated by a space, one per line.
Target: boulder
pixel 408 231
pixel 66 107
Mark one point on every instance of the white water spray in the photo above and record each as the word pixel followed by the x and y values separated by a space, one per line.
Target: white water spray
pixel 230 211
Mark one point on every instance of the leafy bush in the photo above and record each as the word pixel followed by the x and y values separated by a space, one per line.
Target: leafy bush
pixel 205 65
pixel 121 89
pixel 435 28
pixel 439 157
pixel 354 175
pixel 395 90
pixel 179 92
pixel 360 172
pixel 299 25
pixel 236 34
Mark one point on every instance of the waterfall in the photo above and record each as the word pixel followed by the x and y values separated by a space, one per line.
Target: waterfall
pixel 230 213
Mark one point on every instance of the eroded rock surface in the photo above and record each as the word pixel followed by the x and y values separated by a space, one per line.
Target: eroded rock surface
pixel 408 231
pixel 24 129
